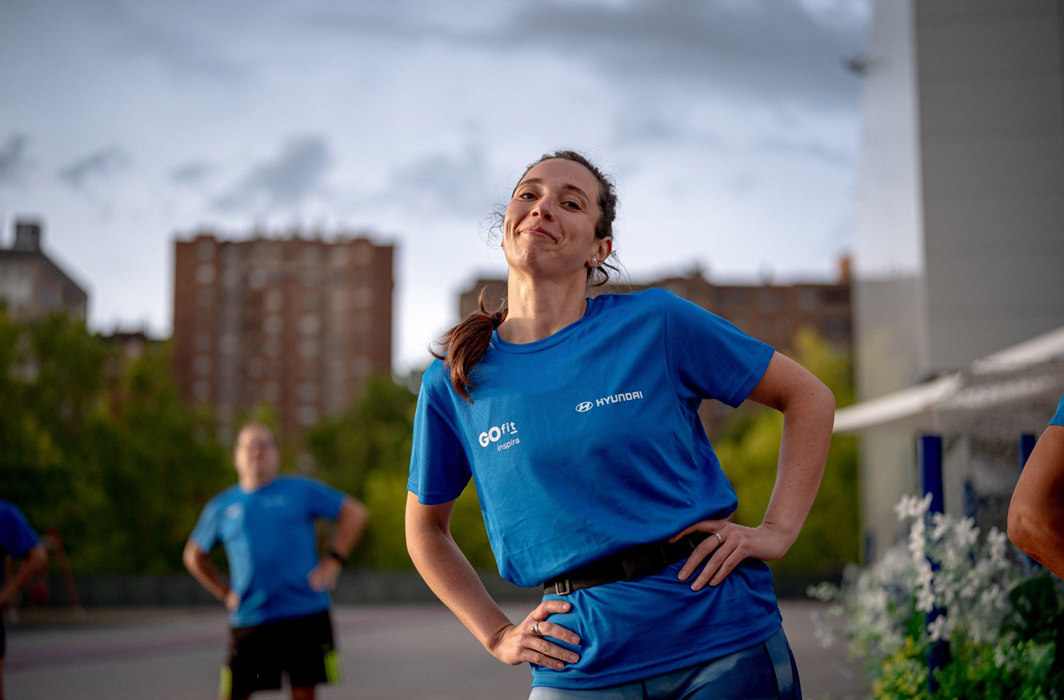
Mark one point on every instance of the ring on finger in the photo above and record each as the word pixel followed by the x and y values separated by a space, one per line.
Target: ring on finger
pixel 720 539
pixel 536 631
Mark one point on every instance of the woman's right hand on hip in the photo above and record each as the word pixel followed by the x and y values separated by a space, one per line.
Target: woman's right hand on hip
pixel 515 644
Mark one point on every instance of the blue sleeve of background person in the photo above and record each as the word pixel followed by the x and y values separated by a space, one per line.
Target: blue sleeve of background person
pixel 709 358
pixel 323 501
pixel 439 470
pixel 16 535
pixel 205 534
pixel 1058 417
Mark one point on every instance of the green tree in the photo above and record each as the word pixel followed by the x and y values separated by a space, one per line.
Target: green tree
pixel 101 449
pixel 749 453
pixel 366 452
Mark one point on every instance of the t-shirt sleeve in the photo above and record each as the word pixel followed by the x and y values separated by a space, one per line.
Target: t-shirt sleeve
pixel 439 469
pixel 322 500
pixel 1058 417
pixel 709 358
pixel 16 535
pixel 205 534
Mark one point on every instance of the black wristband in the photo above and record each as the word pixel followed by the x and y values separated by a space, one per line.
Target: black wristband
pixel 333 554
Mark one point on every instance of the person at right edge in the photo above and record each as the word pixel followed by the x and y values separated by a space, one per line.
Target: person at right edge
pixel 1036 513
pixel 577 419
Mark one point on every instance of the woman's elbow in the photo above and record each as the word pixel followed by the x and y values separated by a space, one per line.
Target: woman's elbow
pixel 1023 524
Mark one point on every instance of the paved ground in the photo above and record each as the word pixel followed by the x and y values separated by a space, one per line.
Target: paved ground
pixel 389 653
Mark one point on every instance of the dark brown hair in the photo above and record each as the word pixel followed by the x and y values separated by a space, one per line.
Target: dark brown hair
pixel 462 347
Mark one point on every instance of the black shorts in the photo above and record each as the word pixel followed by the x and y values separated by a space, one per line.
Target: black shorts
pixel 302 647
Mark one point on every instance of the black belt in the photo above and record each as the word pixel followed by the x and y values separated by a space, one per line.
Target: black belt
pixel 625 565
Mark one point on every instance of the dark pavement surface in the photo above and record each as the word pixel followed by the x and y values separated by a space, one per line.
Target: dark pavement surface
pixel 389 653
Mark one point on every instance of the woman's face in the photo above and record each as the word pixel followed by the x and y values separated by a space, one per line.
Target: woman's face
pixel 549 229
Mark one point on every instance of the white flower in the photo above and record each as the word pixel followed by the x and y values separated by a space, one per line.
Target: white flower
pixel 941 526
pixel 940 628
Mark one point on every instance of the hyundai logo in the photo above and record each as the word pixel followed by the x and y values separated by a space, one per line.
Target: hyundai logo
pixel 585 406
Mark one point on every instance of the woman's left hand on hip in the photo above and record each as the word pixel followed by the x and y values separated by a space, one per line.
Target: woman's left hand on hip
pixel 727 545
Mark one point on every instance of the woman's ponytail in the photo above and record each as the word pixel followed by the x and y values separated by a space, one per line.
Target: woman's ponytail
pixel 462 347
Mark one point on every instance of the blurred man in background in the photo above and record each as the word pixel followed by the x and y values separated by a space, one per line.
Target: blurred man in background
pixel 277 592
pixel 18 540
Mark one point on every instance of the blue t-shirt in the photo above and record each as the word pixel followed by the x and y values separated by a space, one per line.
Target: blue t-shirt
pixel 17 538
pixel 587 442
pixel 1058 417
pixel 271 545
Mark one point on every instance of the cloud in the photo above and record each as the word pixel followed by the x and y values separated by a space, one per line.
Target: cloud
pixel 811 148
pixel 284 181
pixel 13 160
pixel 101 164
pixel 460 183
pixel 192 173
pixel 765 51
pixel 762 50
pixel 183 53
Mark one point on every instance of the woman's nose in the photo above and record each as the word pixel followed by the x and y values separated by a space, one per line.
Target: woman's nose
pixel 542 210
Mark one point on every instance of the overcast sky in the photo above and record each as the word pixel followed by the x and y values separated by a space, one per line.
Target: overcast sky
pixel 730 126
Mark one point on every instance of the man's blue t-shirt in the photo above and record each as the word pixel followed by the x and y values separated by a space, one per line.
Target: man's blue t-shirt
pixel 271 545
pixel 587 442
pixel 1058 417
pixel 17 538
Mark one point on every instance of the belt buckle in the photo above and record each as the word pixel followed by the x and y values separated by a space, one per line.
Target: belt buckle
pixel 559 590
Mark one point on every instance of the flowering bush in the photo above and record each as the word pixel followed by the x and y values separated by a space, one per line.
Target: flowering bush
pixel 1003 619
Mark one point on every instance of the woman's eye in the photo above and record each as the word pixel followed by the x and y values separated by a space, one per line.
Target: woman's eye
pixel 525 195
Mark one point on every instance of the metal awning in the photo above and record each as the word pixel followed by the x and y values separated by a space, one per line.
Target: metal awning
pixel 1003 394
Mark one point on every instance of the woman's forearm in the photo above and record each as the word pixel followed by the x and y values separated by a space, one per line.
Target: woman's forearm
pixel 807 423
pixel 454 581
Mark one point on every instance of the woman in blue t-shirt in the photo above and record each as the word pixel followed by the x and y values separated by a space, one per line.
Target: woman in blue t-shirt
pixel 577 420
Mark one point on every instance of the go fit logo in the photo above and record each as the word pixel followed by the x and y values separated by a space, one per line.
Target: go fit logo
pixel 497 432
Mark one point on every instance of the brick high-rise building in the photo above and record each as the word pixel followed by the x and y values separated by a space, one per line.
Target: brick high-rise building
pixel 770 312
pixel 296 323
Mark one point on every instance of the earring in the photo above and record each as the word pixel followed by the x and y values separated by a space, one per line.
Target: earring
pixel 594 262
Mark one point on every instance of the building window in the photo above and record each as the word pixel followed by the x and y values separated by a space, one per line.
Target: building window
pixel 308 348
pixel 271 392
pixel 202 364
pixel 361 367
pixel 205 250
pixel 362 253
pixel 273 325
pixel 205 274
pixel 338 257
pixel 308 415
pixel 228 344
pixel 203 342
pixel 363 298
pixel 308 391
pixel 257 279
pixel 201 390
pixel 309 325
pixel 273 301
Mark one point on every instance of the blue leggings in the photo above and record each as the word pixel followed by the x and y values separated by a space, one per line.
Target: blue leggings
pixel 765 671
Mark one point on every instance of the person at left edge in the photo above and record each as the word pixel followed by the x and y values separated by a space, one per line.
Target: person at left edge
pixel 19 540
pixel 277 593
